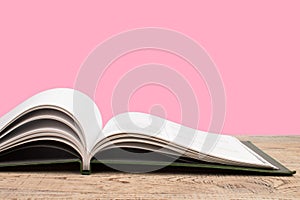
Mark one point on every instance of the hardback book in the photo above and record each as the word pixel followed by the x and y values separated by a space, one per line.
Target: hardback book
pixel 64 126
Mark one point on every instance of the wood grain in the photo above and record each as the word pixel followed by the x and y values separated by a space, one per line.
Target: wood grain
pixel 116 185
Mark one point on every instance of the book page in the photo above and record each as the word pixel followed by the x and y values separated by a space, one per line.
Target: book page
pixel 77 104
pixel 215 145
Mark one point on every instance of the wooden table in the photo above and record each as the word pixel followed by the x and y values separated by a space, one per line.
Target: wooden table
pixel 116 185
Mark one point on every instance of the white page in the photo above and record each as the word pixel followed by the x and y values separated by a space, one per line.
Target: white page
pixel 85 110
pixel 218 145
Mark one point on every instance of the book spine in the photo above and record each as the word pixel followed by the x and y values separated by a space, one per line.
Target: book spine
pixel 85 167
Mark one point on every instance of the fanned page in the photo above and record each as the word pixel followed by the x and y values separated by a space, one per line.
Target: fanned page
pixel 63 115
pixel 147 129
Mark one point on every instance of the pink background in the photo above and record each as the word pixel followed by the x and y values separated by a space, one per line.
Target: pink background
pixel 255 46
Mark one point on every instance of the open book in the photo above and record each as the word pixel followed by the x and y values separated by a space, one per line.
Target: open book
pixel 64 124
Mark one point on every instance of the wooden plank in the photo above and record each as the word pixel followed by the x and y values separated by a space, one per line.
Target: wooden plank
pixel 115 185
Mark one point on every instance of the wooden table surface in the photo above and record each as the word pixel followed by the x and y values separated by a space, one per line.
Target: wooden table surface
pixel 117 185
